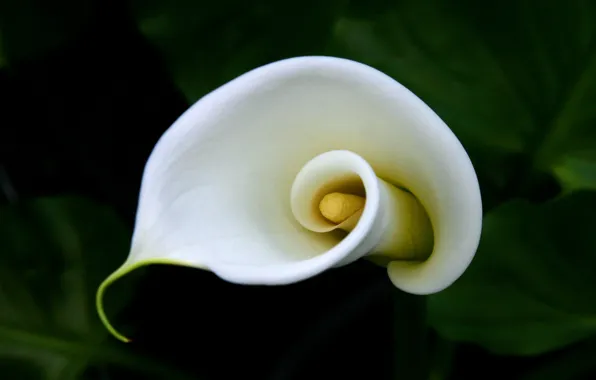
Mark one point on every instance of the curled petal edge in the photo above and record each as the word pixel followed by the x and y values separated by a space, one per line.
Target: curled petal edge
pixel 429 161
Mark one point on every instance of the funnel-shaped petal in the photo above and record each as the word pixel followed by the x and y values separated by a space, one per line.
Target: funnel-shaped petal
pixel 217 189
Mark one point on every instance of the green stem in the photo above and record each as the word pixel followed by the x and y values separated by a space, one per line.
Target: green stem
pixel 410 337
pixel 7 187
pixel 442 359
pixel 326 327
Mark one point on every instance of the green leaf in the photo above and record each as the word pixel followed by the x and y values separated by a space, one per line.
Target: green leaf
pixel 54 252
pixel 577 171
pixel 206 44
pixel 30 28
pixel 575 362
pixel 530 288
pixel 515 80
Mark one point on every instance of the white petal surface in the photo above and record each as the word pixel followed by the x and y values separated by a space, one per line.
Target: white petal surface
pixel 216 189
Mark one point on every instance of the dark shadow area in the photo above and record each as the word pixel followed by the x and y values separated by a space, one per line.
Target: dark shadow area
pixel 82 119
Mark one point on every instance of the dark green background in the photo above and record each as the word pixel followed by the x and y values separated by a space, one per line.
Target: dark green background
pixel 87 87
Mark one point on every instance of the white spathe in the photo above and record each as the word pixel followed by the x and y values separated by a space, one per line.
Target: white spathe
pixel 216 189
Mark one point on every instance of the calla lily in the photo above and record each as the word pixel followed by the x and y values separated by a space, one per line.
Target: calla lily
pixel 303 165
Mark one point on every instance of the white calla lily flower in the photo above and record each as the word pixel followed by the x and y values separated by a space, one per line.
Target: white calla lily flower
pixel 303 165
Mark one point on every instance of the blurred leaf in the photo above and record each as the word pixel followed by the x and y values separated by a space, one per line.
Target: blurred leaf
pixel 515 80
pixel 574 363
pixel 207 43
pixel 530 288
pixel 577 171
pixel 30 28
pixel 54 252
